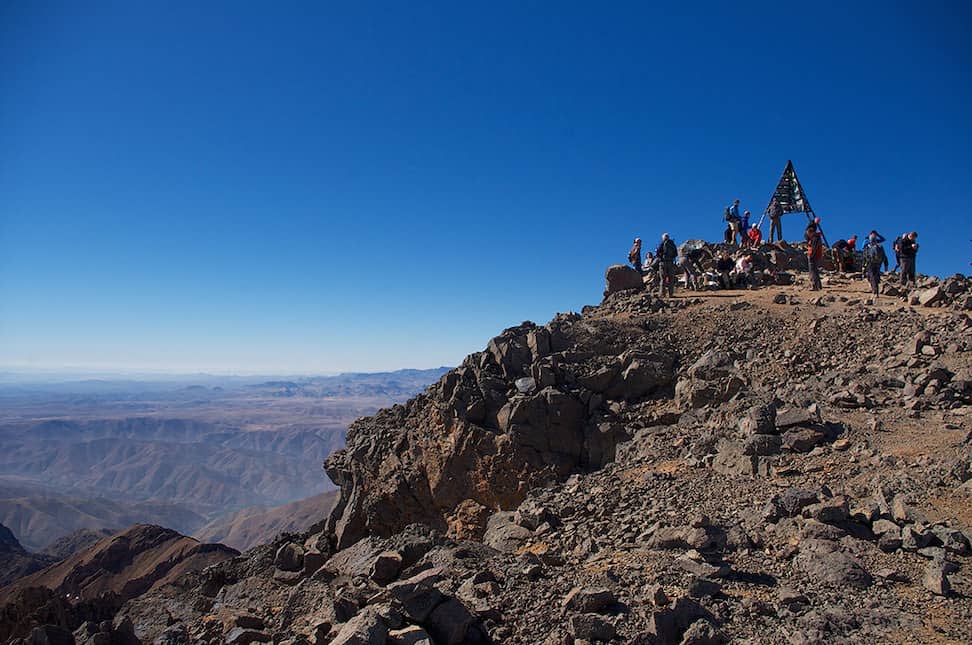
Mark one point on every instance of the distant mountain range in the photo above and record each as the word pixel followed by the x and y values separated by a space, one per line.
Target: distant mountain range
pixel 106 454
pixel 252 526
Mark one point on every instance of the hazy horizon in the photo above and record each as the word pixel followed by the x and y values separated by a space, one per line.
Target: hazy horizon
pixel 71 374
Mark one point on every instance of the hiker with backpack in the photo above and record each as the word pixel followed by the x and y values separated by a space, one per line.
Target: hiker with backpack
pixel 666 254
pixel 634 255
pixel 908 251
pixel 815 252
pixel 874 259
pixel 732 216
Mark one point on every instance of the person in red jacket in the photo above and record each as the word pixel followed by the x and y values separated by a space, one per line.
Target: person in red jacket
pixel 755 236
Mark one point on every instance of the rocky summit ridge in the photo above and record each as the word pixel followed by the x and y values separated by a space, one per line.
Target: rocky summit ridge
pixel 766 466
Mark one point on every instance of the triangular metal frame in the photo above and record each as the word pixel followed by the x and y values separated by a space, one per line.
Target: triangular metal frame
pixel 789 197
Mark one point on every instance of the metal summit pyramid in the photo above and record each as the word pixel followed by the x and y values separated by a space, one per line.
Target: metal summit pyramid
pixel 789 196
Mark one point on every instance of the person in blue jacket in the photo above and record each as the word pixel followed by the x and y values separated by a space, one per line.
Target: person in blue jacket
pixel 874 259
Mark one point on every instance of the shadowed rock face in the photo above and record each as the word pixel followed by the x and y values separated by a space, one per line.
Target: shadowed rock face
pixel 15 561
pixel 95 582
pixel 520 413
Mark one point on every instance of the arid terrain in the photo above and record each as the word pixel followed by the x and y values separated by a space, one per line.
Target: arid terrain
pixel 179 453
pixel 748 466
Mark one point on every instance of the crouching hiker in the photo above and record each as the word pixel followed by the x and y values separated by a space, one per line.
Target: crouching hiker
pixel 691 262
pixel 725 266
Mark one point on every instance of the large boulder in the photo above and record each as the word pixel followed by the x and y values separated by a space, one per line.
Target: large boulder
pixel 620 277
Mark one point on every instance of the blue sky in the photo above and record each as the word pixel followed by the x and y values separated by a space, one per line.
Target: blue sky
pixel 316 187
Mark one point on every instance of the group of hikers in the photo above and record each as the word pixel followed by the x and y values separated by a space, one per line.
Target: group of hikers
pixel 731 272
pixel 874 260
pixel 736 271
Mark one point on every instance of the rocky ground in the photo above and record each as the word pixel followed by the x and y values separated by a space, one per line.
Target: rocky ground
pixel 758 466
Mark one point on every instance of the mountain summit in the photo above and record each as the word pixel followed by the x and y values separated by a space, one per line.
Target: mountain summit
pixel 747 466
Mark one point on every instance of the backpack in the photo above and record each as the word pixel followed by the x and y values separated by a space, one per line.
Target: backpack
pixel 666 251
pixel 727 215
pixel 874 254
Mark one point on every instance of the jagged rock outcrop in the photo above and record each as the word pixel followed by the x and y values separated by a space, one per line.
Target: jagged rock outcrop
pixel 530 408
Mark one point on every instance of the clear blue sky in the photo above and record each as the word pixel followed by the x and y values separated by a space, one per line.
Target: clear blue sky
pixel 307 187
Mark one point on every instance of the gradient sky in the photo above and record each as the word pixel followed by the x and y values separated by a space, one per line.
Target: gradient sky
pixel 317 187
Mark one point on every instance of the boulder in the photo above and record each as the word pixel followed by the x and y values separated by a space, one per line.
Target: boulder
pixel 759 420
pixel 451 623
pixel 591 627
pixel 829 511
pixel 826 564
pixel 366 628
pixel 411 635
pixel 620 277
pixel 503 533
pixel 931 296
pixel 687 537
pixel 803 439
pixel 667 626
pixel 935 576
pixel 386 567
pixel 289 557
pixel 589 600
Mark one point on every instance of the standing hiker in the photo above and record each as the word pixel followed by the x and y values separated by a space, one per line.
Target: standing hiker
pixel 666 254
pixel 896 247
pixel 776 224
pixel 815 252
pixel 634 255
pixel 744 226
pixel 908 251
pixel 732 216
pixel 874 259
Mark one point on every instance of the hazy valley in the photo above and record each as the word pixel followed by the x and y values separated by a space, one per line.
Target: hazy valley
pixel 181 453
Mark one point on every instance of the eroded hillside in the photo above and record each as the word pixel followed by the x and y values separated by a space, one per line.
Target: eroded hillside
pixel 768 466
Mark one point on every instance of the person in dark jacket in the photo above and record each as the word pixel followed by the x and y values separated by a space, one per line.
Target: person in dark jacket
pixel 874 259
pixel 634 255
pixel 666 254
pixel 896 247
pixel 724 266
pixel 776 225
pixel 908 252
pixel 815 252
